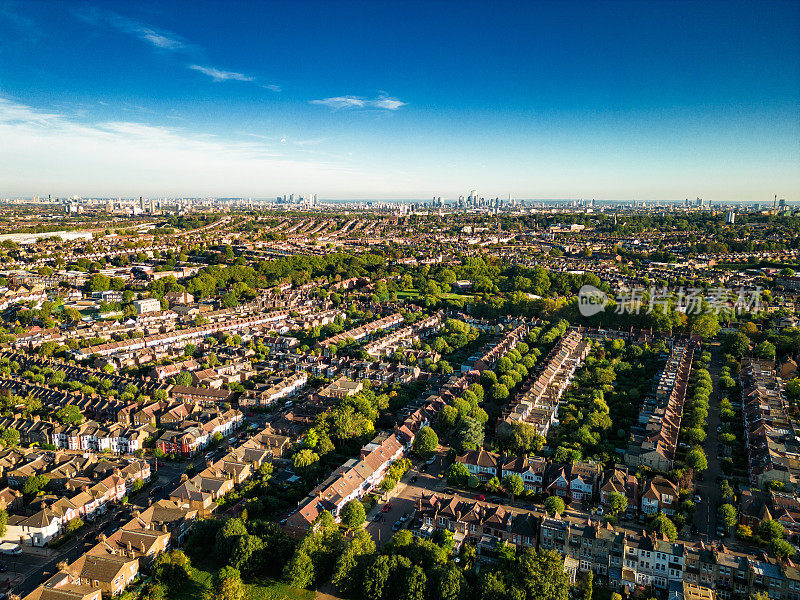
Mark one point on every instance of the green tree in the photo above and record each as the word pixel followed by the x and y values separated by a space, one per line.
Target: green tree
pixel 305 459
pixel 728 514
pixel 69 415
pixel 554 505
pixel 98 283
pixel 299 570
pixel 227 537
pixel 73 525
pixel 542 575
pixel 705 325
pixel 696 435
pixel 425 442
pixel 457 474
pixel 348 565
pixel 376 578
pixel 662 525
pixel 3 522
pixel 696 459
pixel 765 350
pixel 449 583
pixel 618 502
pixel 353 514
pixel 246 552
pixel 780 548
pixel 10 437
pixel 448 417
pixel 513 485
pixel 736 343
pixel 34 484
pixel 793 388
pixel 414 584
pixel 227 585
pixel 499 392
pixel 172 568
pixel 770 530
pixel 469 434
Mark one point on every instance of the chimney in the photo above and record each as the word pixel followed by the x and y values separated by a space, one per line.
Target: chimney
pixel 101 537
pixel 129 546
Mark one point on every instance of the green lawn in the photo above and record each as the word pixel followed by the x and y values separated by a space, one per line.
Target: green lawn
pixel 408 294
pixel 412 294
pixel 260 589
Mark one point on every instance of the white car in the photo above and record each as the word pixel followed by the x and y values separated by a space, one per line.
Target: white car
pixel 10 548
pixel 697 498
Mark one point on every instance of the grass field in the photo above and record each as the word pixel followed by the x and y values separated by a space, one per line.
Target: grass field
pixel 412 294
pixel 260 589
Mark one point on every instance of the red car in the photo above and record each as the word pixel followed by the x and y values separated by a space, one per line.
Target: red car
pixel 387 507
pixel 481 498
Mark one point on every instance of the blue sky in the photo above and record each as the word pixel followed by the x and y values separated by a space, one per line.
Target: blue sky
pixel 614 100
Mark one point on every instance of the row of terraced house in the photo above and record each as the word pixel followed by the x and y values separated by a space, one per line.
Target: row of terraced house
pixel 78 486
pixel 118 560
pixel 537 402
pixel 622 559
pixel 654 438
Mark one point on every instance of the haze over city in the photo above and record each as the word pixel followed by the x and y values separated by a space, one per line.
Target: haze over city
pixel 380 300
pixel 399 100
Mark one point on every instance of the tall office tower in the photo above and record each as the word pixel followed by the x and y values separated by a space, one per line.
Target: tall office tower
pixel 730 217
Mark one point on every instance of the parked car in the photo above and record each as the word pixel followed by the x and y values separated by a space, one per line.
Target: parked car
pixel 405 517
pixel 697 498
pixel 397 525
pixel 378 517
pixel 431 460
pixel 10 548
pixel 413 479
pixel 387 507
pixel 480 498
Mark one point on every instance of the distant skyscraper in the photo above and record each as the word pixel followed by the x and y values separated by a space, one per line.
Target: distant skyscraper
pixel 730 217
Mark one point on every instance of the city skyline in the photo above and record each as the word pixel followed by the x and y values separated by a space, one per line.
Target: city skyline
pixel 572 100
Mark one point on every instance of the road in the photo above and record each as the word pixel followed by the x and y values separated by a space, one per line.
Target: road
pixel 705 516
pixel 403 498
pixel 26 571
pixel 34 563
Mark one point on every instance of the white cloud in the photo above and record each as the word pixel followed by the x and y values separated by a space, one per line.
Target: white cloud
pixel 49 152
pixel 358 102
pixel 161 39
pixel 218 75
pixel 272 87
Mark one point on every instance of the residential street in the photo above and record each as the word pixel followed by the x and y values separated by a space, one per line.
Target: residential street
pixel 705 515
